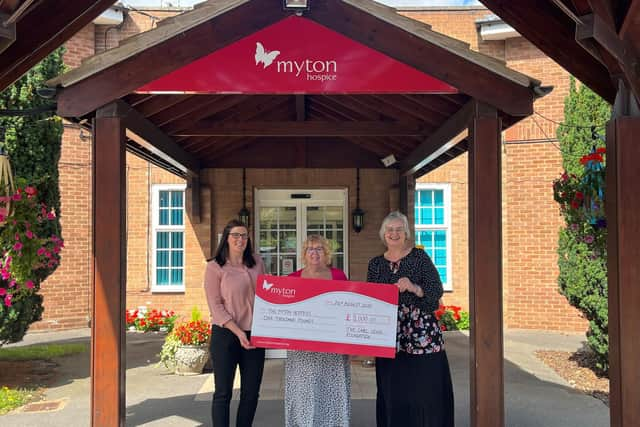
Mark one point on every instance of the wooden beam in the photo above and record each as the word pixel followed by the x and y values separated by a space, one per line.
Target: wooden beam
pixel 403 194
pixel 108 347
pixel 163 58
pixel 553 32
pixel 627 55
pixel 485 269
pixel 145 133
pixel 623 271
pixel 7 33
pixel 308 128
pixel 279 153
pixel 192 197
pixel 43 30
pixel 349 17
pixel 438 142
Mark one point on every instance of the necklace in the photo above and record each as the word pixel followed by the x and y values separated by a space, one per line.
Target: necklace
pixel 394 266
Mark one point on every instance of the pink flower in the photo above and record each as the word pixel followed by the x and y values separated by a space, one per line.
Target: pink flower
pixel 12 283
pixel 29 234
pixel 2 218
pixel 7 300
pixel 4 199
pixel 17 246
pixel 31 191
pixel 3 292
pixel 17 236
pixel 51 215
pixel 41 251
pixel 28 284
pixel 17 197
pixel 5 274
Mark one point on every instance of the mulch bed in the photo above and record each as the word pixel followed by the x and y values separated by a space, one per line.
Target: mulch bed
pixel 579 370
pixel 27 374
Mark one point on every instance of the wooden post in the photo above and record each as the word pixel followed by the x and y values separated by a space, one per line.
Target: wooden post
pixel 403 195
pixel 485 269
pixel 622 205
pixel 109 285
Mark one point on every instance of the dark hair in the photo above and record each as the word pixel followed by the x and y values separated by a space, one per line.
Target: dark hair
pixel 222 253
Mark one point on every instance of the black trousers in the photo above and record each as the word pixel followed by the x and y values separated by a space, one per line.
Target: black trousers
pixel 226 355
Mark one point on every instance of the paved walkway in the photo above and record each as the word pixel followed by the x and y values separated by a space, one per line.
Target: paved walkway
pixel 534 394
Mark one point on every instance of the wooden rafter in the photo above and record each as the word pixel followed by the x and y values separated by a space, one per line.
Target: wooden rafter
pixel 308 128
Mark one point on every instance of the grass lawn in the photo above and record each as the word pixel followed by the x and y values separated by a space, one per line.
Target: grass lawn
pixel 41 351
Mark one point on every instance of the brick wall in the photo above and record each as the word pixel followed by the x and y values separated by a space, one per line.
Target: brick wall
pixel 531 160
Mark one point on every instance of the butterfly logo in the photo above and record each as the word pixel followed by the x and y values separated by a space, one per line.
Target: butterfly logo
pixel 266 285
pixel 265 57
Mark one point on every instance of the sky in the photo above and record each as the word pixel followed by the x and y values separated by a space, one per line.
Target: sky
pixel 396 3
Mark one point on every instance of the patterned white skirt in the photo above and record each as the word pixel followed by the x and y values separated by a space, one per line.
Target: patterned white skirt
pixel 317 390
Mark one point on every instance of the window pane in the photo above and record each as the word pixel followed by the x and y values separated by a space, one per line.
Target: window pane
pixel 440 239
pixel 163 217
pixel 287 217
pixel 162 276
pixel 441 257
pixel 177 238
pixel 416 215
pixel 439 216
pixel 176 276
pixel 162 258
pixel 177 199
pixel 338 261
pixel 177 216
pixel 164 199
pixel 427 216
pixel 268 218
pixel 270 264
pixel 334 216
pixel 287 241
pixel 426 197
pixel 176 259
pixel 442 271
pixel 438 196
pixel 162 240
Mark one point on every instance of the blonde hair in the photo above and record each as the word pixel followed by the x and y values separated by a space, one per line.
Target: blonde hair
pixel 393 216
pixel 317 238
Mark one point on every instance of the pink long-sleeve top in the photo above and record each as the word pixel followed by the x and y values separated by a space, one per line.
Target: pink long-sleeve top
pixel 230 292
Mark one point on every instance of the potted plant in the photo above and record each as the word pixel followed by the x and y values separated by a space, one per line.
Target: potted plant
pixel 186 350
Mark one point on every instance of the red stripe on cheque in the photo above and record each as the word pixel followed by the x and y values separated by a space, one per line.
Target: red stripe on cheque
pixel 287 290
pixel 324 347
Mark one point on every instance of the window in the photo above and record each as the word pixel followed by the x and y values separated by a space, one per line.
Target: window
pixel 168 238
pixel 433 226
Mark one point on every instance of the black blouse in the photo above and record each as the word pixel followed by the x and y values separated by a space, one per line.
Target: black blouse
pixel 418 331
pixel 415 266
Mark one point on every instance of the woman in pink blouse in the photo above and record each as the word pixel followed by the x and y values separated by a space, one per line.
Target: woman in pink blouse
pixel 230 285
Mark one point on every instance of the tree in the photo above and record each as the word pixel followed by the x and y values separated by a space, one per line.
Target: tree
pixel 33 145
pixel 582 256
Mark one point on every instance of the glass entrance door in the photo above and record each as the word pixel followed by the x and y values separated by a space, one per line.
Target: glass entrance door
pixel 286 217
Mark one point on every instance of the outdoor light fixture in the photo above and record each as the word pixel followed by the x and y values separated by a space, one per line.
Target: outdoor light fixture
pixel 297 5
pixel 243 214
pixel 357 216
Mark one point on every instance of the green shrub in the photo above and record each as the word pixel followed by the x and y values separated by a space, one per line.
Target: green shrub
pixel 11 399
pixel 580 192
pixel 33 145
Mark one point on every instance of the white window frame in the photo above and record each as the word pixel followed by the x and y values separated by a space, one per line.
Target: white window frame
pixel 155 227
pixel 446 194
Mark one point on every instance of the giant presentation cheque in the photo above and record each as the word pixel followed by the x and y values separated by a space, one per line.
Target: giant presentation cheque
pixel 333 316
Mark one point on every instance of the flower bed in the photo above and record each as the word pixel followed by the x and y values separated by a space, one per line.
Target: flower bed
pixel 452 318
pixel 150 320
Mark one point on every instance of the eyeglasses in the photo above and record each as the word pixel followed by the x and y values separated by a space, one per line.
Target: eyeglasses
pixel 390 230
pixel 318 250
pixel 243 236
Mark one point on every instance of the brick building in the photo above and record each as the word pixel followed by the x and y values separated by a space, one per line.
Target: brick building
pixel 166 258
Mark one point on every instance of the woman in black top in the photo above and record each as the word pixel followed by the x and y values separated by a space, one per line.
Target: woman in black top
pixel 414 389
